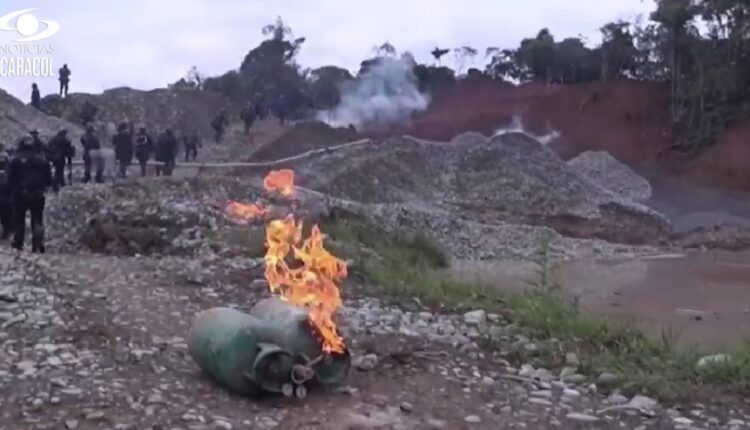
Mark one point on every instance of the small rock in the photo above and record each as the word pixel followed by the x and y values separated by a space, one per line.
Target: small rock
pixel 642 403
pixel 527 371
pixel 543 375
pixel 569 392
pixel 682 421
pixel 712 360
pixel 96 415
pixel 608 378
pixel 222 425
pixel 575 378
pixel 475 317
pixel 617 399
pixel 71 424
pixel 366 362
pixel 575 416
pixel 488 381
pixel 406 407
pixel 473 419
pixel 571 359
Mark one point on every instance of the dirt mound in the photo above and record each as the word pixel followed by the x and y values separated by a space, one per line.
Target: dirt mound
pixel 510 178
pixel 18 119
pixel 167 217
pixel 184 110
pixel 302 137
pixel 627 118
pixel 608 172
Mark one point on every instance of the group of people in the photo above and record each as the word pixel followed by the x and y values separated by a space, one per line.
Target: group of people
pixel 33 167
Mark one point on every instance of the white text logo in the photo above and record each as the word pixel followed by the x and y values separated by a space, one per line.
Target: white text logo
pixel 28 26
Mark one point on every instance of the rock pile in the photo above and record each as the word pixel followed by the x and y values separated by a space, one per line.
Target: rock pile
pixel 18 119
pixel 187 110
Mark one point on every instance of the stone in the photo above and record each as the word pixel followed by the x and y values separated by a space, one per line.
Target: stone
pixel 475 317
pixel 575 416
pixel 488 381
pixel 71 424
pixel 571 359
pixel 575 378
pixel 607 378
pixel 223 425
pixel 712 360
pixel 406 407
pixel 617 399
pixel 642 403
pixel 366 362
pixel 473 419
pixel 682 421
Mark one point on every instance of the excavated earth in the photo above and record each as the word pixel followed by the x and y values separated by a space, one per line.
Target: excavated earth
pixel 92 335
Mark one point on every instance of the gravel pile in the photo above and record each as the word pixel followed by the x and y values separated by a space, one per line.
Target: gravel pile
pixel 609 173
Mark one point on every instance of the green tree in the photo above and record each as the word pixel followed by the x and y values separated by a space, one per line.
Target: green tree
pixel 618 51
pixel 325 85
pixel 438 53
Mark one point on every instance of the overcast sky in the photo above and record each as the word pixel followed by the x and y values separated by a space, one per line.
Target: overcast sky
pixel 148 43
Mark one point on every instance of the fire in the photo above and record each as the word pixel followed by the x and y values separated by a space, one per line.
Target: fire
pixel 300 271
pixel 281 181
pixel 244 212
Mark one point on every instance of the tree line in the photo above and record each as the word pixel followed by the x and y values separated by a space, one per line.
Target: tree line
pixel 699 48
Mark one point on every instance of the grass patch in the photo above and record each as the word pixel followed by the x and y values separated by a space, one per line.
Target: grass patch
pixel 408 267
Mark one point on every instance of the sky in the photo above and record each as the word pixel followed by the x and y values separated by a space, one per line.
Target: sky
pixel 147 44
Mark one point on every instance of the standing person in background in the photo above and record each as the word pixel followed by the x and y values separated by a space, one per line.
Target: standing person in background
pixel 92 155
pixel 36 98
pixel 64 77
pixel 248 116
pixel 191 142
pixel 6 198
pixel 88 113
pixel 29 177
pixel 60 148
pixel 219 124
pixel 144 146
pixel 123 143
pixel 166 152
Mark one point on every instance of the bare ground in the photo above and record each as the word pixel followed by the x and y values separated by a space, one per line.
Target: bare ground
pixel 117 358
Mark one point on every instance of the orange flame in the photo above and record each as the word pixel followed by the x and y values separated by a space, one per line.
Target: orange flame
pixel 245 212
pixel 281 181
pixel 301 272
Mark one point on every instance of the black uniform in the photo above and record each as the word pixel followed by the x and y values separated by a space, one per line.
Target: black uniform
pixel 248 115
pixel 191 143
pixel 36 98
pixel 29 177
pixel 123 143
pixel 144 146
pixel 90 143
pixel 60 150
pixel 218 124
pixel 88 113
pixel 6 202
pixel 64 80
pixel 166 152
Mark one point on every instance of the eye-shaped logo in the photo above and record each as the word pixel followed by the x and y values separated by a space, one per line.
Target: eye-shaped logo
pixel 28 26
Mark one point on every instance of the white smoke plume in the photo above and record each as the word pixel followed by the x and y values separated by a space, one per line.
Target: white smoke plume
pixel 516 126
pixel 387 94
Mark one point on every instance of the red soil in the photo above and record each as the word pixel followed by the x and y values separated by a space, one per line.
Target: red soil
pixel 629 119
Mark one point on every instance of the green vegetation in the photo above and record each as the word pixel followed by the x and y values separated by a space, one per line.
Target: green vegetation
pixel 409 266
pixel 700 50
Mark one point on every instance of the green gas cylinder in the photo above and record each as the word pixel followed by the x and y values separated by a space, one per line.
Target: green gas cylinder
pixel 225 344
pixel 289 327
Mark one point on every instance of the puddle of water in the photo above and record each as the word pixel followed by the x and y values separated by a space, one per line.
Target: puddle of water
pixel 704 299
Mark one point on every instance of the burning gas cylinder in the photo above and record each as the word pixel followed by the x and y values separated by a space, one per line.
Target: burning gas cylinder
pixel 273 349
pixel 289 327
